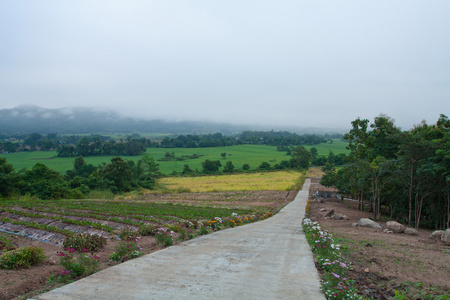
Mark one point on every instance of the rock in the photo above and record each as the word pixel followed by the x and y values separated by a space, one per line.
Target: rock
pixel 323 209
pixel 355 224
pixel 446 236
pixel 411 231
pixel 387 231
pixel 338 217
pixel 330 213
pixel 438 234
pixel 344 217
pixel 365 222
pixel 395 227
pixel 327 218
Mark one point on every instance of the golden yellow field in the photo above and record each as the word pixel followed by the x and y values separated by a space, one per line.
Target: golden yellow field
pixel 268 181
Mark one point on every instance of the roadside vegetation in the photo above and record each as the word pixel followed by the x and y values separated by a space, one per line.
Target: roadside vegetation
pixel 402 174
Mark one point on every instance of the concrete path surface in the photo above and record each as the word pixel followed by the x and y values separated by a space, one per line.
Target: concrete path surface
pixel 269 259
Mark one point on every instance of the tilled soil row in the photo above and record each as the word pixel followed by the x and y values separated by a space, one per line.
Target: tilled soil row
pixel 53 237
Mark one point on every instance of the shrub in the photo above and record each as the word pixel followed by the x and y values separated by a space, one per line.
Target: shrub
pixel 127 249
pixel 147 229
pixel 79 241
pixel 128 234
pixel 6 244
pixel 79 263
pixel 203 229
pixel 164 236
pixel 22 257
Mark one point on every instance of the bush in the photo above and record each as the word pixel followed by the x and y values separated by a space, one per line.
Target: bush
pixel 78 264
pixel 127 249
pixel 164 236
pixel 22 257
pixel 147 229
pixel 80 241
pixel 128 234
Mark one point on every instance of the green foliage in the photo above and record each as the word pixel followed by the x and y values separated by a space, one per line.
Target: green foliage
pixel 119 173
pixel 164 236
pixel 128 234
pixel 229 167
pixel 78 263
pixel 264 166
pixel 335 283
pixel 211 166
pixel 406 172
pixel 301 158
pixel 80 241
pixel 7 178
pixel 24 257
pixel 127 249
pixel 6 244
pixel 147 229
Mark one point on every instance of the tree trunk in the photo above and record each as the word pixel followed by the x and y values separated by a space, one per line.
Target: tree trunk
pixel 410 191
pixel 420 211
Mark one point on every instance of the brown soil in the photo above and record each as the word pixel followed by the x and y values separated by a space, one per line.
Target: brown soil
pixel 25 283
pixel 382 262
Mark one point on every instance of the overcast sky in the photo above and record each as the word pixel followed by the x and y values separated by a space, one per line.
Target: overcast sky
pixel 296 63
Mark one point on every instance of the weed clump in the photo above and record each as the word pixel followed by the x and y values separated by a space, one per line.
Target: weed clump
pixel 80 241
pixel 148 230
pixel 24 257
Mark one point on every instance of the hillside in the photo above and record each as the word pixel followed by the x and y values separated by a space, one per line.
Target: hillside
pixel 31 118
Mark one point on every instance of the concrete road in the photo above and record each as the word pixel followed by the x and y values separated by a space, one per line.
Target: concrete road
pixel 269 259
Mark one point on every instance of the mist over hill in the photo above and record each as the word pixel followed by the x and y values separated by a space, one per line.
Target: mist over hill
pixel 77 120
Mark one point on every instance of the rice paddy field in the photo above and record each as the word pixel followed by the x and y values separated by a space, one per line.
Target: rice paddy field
pixel 253 155
pixel 267 181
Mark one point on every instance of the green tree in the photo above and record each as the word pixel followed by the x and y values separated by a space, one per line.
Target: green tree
pixel 148 171
pixel 7 178
pixel 210 166
pixel 119 173
pixel 264 166
pixel 301 158
pixel 229 167
pixel 187 170
pixel 224 155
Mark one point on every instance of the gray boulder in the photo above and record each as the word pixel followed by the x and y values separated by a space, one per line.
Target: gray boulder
pixel 395 227
pixel 438 234
pixel 411 231
pixel 446 236
pixel 338 217
pixel 365 222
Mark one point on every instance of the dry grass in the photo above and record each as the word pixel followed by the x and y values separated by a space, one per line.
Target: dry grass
pixel 314 172
pixel 268 181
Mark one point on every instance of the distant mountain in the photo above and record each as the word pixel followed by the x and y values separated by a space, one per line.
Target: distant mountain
pixel 31 118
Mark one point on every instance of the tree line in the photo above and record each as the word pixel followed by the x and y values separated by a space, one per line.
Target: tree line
pixel 96 145
pixel 405 174
pixel 41 182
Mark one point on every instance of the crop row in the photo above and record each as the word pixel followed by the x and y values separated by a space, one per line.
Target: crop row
pixel 137 210
pixel 37 226
pixel 96 225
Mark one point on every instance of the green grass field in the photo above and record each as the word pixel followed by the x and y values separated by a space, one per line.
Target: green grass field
pixel 253 155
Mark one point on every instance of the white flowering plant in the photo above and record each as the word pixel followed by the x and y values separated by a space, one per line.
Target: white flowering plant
pixel 335 283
